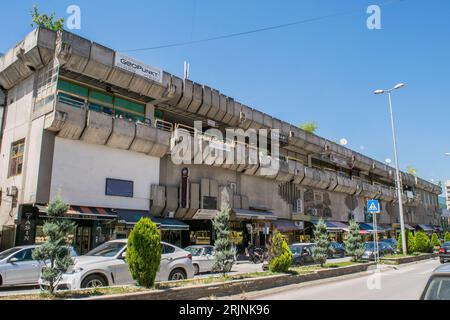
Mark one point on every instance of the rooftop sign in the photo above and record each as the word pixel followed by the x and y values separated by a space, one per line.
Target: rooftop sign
pixel 134 66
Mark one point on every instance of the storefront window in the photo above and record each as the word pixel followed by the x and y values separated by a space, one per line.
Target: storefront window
pixel 200 237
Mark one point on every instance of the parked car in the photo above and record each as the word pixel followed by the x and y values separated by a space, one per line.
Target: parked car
pixel 337 250
pixel 17 267
pixel 302 253
pixel 438 286
pixel 392 242
pixel 444 252
pixel 383 249
pixel 106 266
pixel 202 258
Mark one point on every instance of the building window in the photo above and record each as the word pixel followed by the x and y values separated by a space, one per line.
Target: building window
pixel 119 188
pixel 16 158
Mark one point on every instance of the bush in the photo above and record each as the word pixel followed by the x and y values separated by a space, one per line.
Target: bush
pixel 224 251
pixel 435 242
pixel 144 252
pixel 423 243
pixel 354 245
pixel 281 255
pixel 410 242
pixel 447 237
pixel 320 251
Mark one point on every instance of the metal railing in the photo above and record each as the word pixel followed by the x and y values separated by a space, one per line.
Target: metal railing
pixel 71 100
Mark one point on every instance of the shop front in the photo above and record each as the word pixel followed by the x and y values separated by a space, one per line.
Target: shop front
pixel 367 231
pixel 425 228
pixel 291 230
pixel 337 231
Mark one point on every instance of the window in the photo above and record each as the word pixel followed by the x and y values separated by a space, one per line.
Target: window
pixel 16 158
pixel 119 188
pixel 167 249
pixel 24 255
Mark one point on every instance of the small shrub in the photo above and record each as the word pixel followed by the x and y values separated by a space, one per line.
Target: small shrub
pixel 435 242
pixel 281 255
pixel 422 242
pixel 354 245
pixel 224 251
pixel 144 252
pixel 447 237
pixel 410 242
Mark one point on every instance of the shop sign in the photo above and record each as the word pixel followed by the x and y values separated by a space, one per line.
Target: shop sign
pixel 137 67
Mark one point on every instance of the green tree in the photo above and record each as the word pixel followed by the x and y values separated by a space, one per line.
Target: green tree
pixel 45 20
pixel 354 245
pixel 310 127
pixel 280 254
pixel 447 237
pixel 422 242
pixel 55 252
pixel 144 252
pixel 411 170
pixel 320 250
pixel 435 242
pixel 224 251
pixel 410 242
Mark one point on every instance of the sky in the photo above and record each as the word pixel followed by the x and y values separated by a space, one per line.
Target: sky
pixel 325 70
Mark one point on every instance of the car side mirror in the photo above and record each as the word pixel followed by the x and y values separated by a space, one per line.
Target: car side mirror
pixel 123 255
pixel 13 260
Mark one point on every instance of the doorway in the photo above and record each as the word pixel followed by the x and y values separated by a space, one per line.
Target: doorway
pixel 83 240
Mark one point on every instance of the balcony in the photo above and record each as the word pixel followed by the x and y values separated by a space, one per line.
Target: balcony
pixel 387 194
pixel 316 178
pixel 368 190
pixel 346 185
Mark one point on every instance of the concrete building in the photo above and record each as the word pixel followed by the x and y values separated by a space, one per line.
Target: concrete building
pixel 447 194
pixel 97 127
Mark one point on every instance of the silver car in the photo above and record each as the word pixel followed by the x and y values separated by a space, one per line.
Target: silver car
pixel 202 258
pixel 106 266
pixel 438 286
pixel 17 267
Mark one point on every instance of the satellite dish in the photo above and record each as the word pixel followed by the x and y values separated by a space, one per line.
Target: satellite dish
pixel 343 142
pixel 388 161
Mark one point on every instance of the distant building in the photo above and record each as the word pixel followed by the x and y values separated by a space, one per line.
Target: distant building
pixel 447 194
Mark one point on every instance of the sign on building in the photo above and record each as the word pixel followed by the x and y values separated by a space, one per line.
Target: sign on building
pixel 137 67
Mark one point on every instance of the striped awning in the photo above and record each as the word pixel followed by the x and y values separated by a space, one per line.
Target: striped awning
pixel 82 212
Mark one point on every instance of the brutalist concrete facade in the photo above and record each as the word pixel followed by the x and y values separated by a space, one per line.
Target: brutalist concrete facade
pixel 317 177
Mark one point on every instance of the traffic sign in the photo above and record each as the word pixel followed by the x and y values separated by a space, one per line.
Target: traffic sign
pixel 373 206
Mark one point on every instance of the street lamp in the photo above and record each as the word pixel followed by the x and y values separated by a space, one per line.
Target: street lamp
pixel 398 178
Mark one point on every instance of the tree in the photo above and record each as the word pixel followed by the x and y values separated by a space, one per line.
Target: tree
pixel 435 242
pixel 280 254
pixel 45 20
pixel 320 250
pixel 447 237
pixel 224 252
pixel 411 170
pixel 410 242
pixel 310 127
pixel 422 242
pixel 55 252
pixel 144 252
pixel 354 245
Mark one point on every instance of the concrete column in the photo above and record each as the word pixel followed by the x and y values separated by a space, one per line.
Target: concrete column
pixel 150 112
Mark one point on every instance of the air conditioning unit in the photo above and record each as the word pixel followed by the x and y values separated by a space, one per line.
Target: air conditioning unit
pixel 11 191
pixel 298 208
pixel 233 187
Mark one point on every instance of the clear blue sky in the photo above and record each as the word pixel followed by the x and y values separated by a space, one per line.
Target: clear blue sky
pixel 323 71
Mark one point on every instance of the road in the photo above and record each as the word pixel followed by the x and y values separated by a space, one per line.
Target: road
pixel 405 283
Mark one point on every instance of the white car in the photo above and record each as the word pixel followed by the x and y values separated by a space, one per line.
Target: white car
pixel 202 258
pixel 106 266
pixel 17 267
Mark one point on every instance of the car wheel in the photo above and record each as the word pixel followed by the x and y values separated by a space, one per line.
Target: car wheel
pixel 196 269
pixel 177 275
pixel 94 281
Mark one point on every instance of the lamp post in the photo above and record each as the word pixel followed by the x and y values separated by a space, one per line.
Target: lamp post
pixel 398 177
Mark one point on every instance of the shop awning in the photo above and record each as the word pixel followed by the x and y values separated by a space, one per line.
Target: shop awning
pixel 341 225
pixel 288 225
pixel 81 212
pixel 387 227
pixel 131 216
pixel 254 215
pixel 438 229
pixel 368 228
pixel 331 226
pixel 169 224
pixel 426 227
pixel 407 226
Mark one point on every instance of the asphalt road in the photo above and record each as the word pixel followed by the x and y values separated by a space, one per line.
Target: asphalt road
pixel 406 283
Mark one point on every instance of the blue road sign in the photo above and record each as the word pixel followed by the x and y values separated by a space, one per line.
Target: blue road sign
pixel 373 206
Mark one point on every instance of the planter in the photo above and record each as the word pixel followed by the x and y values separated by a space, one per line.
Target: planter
pixel 410 259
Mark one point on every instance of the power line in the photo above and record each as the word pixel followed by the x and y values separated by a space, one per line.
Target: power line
pixel 238 34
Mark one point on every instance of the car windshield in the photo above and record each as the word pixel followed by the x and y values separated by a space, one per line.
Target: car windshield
pixel 370 245
pixel 109 249
pixel 7 253
pixel 439 289
pixel 195 251
pixel 294 249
